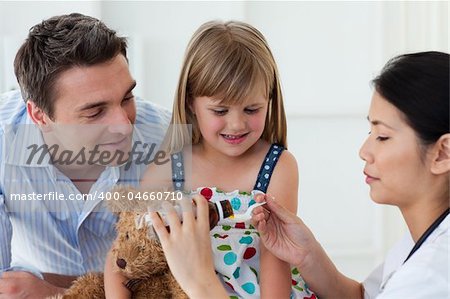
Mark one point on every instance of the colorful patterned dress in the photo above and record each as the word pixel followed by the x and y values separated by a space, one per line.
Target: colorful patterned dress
pixel 235 246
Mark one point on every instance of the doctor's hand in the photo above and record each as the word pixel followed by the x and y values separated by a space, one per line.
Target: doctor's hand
pixel 282 232
pixel 18 284
pixel 188 249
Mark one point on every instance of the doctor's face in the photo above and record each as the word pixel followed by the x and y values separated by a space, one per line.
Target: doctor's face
pixel 395 169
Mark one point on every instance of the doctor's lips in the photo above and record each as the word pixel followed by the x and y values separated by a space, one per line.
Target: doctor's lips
pixel 370 179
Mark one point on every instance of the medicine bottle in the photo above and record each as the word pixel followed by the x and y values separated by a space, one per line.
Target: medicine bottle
pixel 218 211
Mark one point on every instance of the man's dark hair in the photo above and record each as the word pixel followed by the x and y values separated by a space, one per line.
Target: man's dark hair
pixel 57 44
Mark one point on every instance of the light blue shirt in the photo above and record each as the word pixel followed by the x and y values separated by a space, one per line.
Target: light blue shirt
pixel 69 237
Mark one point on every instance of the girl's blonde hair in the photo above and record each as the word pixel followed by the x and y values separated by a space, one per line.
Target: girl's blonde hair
pixel 229 61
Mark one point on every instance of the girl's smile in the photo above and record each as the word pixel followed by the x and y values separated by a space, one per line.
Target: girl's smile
pixel 234 139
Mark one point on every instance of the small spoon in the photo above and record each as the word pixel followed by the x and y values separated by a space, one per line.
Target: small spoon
pixel 247 215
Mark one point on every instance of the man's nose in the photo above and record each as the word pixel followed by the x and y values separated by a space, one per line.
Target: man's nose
pixel 120 123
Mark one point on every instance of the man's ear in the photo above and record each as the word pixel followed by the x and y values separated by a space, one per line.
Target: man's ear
pixel 37 115
pixel 441 155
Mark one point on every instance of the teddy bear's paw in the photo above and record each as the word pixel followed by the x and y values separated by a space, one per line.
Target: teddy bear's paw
pixel 88 286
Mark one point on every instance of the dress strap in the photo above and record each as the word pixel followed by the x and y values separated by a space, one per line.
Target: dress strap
pixel 267 167
pixel 177 171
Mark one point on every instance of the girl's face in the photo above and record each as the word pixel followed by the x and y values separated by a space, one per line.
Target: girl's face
pixel 230 129
pixel 394 169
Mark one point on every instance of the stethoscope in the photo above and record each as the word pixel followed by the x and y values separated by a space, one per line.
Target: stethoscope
pixel 419 242
pixel 427 233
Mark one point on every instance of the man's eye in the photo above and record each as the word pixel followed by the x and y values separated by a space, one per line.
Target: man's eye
pixel 128 98
pixel 97 114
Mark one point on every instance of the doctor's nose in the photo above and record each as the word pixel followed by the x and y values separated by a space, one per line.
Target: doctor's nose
pixel 365 153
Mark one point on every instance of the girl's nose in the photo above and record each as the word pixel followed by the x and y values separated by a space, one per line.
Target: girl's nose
pixel 237 122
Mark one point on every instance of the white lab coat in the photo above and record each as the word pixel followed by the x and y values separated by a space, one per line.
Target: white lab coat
pixel 424 275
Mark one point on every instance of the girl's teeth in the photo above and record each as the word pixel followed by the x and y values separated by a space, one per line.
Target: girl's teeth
pixel 232 137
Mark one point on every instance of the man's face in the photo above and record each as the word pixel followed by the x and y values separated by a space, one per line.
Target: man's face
pixel 94 108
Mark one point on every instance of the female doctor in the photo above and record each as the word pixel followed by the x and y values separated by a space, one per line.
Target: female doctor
pixel 407 164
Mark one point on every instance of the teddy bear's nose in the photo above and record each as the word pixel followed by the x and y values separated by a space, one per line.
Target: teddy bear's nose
pixel 121 263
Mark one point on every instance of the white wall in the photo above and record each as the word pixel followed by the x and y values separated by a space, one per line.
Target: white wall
pixel 327 53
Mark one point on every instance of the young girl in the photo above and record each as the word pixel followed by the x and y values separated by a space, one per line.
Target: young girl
pixel 229 92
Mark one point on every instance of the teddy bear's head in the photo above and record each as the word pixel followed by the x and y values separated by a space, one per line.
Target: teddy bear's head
pixel 137 253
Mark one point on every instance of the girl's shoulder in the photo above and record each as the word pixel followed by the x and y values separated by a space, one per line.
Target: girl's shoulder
pixel 286 166
pixel 284 182
pixel 286 159
pixel 278 168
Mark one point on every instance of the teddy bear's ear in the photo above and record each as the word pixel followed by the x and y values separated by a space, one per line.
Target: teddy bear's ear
pixel 124 199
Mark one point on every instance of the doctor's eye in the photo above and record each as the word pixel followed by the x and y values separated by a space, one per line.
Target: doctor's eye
pixel 382 138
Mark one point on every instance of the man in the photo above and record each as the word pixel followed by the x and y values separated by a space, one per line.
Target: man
pixel 72 137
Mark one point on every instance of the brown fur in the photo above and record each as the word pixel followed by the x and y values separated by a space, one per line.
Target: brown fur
pixel 146 267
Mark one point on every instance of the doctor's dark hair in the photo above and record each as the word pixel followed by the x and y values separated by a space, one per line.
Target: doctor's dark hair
pixel 56 45
pixel 418 85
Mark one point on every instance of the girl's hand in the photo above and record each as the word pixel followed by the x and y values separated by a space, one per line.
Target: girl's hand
pixel 188 249
pixel 282 232
pixel 114 280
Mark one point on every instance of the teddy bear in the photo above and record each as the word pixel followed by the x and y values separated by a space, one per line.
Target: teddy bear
pixel 137 254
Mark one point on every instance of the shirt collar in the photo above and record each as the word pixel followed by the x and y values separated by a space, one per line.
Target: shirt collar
pixel 24 140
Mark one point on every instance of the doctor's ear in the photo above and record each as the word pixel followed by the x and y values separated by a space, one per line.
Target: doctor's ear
pixel 441 155
pixel 37 115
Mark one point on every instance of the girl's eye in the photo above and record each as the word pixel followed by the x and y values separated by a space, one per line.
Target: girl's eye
pixel 251 111
pixel 220 112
